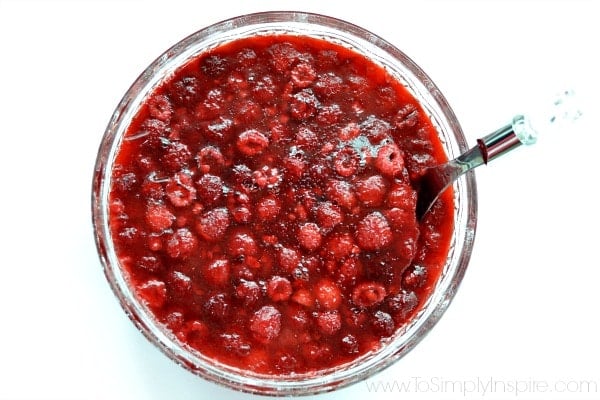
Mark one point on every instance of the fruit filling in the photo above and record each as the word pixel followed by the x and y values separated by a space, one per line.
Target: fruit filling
pixel 262 205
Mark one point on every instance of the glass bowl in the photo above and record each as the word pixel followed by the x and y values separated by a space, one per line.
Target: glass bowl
pixel 417 83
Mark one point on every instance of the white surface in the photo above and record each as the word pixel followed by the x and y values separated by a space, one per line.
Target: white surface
pixel 527 310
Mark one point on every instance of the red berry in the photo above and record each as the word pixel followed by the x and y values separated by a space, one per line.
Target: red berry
pixel 210 159
pixel 303 297
pixel 345 162
pixel 373 232
pixel 153 293
pixel 242 244
pixel 150 264
pixel 248 291
pixel 414 277
pixel 160 107
pixel 268 208
pixel 303 74
pixel 329 85
pixel 176 156
pixel 217 307
pixel 213 224
pixel 304 104
pixel 179 284
pixel 368 294
pixel 279 289
pixel 371 190
pixel 181 243
pixel 327 294
pixel 252 142
pixel 341 245
pixel 383 323
pixel 390 160
pixel 349 344
pixel 265 324
pixel 283 56
pixel 329 322
pixel 402 304
pixel 403 196
pixel 309 236
pixel 234 343
pixel 219 129
pixel 329 215
pixel 217 272
pixel 180 190
pixel 349 132
pixel 407 117
pixel 159 217
pixel 214 66
pixel 210 189
pixel 375 129
pixel 340 192
pixel 288 259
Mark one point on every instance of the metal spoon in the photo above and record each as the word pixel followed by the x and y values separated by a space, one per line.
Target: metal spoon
pixel 522 130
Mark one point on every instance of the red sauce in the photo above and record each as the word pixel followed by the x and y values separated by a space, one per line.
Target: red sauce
pixel 262 205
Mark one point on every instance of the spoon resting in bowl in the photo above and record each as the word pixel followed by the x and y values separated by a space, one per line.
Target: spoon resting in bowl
pixel 522 130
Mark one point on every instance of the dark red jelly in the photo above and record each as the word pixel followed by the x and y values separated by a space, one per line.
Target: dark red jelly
pixel 263 208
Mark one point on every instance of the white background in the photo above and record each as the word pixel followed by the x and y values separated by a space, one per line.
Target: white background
pixel 527 308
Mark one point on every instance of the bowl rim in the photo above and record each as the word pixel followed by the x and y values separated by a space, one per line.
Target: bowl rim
pixel 223 374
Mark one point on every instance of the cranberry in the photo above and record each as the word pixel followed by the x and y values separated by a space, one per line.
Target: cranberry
pixel 252 142
pixel 373 232
pixel 265 324
pixel 213 224
pixel 368 294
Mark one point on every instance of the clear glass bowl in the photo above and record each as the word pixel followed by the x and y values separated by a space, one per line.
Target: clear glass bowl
pixel 418 84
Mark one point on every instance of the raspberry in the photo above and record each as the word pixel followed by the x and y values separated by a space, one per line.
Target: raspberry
pixel 252 142
pixel 303 297
pixel 288 259
pixel 356 318
pixel 218 130
pixel 403 196
pixel 241 215
pixel 373 232
pixel 174 320
pixel 214 66
pixel 383 323
pixel 414 277
pixel 306 137
pixel 125 182
pixel 371 190
pixel 341 245
pixel 210 189
pixel 153 130
pixel 212 106
pixel 266 176
pixel 213 224
pixel 248 111
pixel 349 271
pixel 264 89
pixel 328 85
pixel 217 273
pixel 153 190
pixel 303 74
pixel 185 91
pixel 304 105
pixel 349 344
pixel 375 129
pixel 210 159
pixel 176 156
pixel 195 332
pixel 248 291
pixel 407 117
pixel 150 264
pixel 317 352
pixel 279 289
pixel 283 56
pixel 181 243
pixel 349 132
pixel 265 324
pixel 329 114
pixel 217 307
pixel 159 217
pixel 180 190
pixel 340 192
pixel 309 236
pixel 368 294
pixel 160 107
pixel 234 343
pixel 179 284
pixel 390 160
pixel 329 215
pixel 242 244
pixel 346 162
pixel 294 166
pixel 327 294
pixel 402 304
pixel 268 208
pixel 329 322
pixel 153 293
